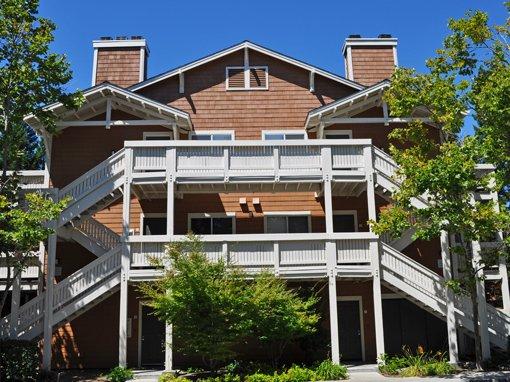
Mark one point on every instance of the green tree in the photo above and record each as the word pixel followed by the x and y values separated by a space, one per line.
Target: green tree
pixel 30 77
pixel 214 306
pixel 469 75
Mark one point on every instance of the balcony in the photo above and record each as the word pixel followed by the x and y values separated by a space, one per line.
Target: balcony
pixel 228 165
pixel 287 255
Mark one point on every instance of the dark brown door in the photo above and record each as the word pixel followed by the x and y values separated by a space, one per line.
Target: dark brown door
pixel 153 338
pixel 349 331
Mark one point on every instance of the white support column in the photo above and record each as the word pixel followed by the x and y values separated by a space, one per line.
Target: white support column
pixel 170 179
pixel 125 260
pixel 330 255
pixel 482 305
pixel 453 348
pixel 48 302
pixel 40 277
pixel 168 348
pixel 15 303
pixel 374 252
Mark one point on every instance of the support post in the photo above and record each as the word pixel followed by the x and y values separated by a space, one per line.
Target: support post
pixel 374 252
pixel 453 349
pixel 330 255
pixel 482 305
pixel 40 277
pixel 125 259
pixel 15 303
pixel 168 347
pixel 48 301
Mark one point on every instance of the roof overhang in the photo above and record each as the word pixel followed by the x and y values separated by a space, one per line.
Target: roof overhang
pixel 97 99
pixel 347 106
pixel 252 46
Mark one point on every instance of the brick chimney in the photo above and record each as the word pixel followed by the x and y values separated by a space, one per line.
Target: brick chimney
pixel 370 60
pixel 120 60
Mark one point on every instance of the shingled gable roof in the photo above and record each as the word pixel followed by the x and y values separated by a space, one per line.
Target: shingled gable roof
pixel 255 47
pixel 358 102
pixel 96 97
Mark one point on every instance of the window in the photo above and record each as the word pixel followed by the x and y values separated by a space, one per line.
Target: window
pixel 283 135
pixel 257 78
pixel 153 224
pixel 220 135
pixel 157 135
pixel 211 224
pixel 345 221
pixel 338 134
pixel 291 223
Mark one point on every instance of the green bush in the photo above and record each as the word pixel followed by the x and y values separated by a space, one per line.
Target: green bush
pixel 19 360
pixel 329 371
pixel 261 377
pixel 421 364
pixel 119 374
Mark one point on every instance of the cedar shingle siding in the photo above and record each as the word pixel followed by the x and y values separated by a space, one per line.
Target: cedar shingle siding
pixel 120 66
pixel 372 64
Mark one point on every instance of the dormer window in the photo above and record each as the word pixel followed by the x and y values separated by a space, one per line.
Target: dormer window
pixel 249 78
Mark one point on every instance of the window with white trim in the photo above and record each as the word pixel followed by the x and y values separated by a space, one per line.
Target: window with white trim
pixel 219 135
pixel 157 135
pixel 153 224
pixel 338 134
pixel 211 224
pixel 287 223
pixel 256 78
pixel 345 221
pixel 283 135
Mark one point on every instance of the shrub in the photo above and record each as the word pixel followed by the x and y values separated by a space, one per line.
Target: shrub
pixel 261 377
pixel 297 374
pixel 19 360
pixel 329 371
pixel 120 374
pixel 421 364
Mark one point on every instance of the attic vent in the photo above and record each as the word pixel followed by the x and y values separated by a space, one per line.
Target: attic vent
pixel 255 79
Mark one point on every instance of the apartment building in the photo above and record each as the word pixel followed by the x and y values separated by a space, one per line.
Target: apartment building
pixel 276 163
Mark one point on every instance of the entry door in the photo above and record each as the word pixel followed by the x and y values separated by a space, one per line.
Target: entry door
pixel 153 339
pixel 349 330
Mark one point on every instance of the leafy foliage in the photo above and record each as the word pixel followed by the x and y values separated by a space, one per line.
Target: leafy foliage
pixel 420 364
pixel 120 374
pixel 212 306
pixel 30 77
pixel 470 73
pixel 19 360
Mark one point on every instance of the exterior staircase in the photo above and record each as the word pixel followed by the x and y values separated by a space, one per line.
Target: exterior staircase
pixel 72 296
pixel 92 235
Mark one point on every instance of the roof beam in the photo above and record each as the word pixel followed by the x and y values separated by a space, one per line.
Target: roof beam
pixel 181 82
pixel 312 81
pixel 333 121
pixel 108 112
pixel 120 122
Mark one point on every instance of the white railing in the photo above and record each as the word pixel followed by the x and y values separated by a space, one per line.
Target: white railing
pixel 272 251
pixel 432 292
pixel 92 179
pixel 98 233
pixel 31 271
pixel 68 290
pixel 231 159
pixel 384 163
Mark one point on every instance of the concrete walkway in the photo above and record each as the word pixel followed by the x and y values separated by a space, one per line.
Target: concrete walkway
pixel 368 373
pixel 369 376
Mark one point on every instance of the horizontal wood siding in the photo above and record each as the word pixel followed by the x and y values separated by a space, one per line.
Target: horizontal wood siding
pixel 372 64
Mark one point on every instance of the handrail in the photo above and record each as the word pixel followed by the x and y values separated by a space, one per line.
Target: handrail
pixel 249 143
pixel 66 290
pixel 267 237
pixel 110 161
pixel 98 232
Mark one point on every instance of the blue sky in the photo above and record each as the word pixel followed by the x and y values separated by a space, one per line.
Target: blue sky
pixel 313 31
